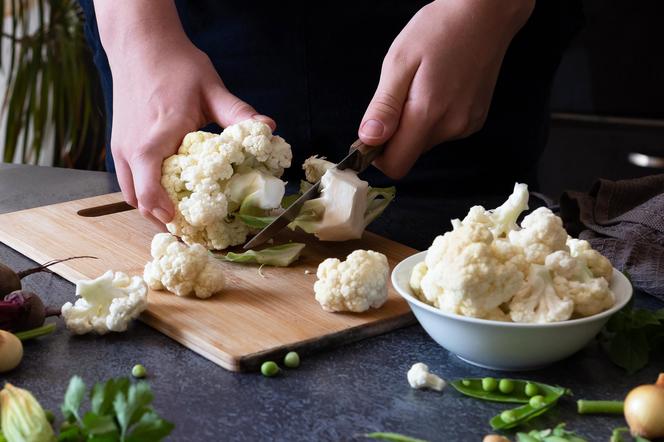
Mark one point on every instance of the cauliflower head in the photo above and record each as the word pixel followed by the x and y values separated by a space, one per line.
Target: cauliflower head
pixel 182 269
pixel 541 234
pixel 469 274
pixel 355 285
pixel 108 303
pixel 539 301
pixel 214 177
pixel 598 264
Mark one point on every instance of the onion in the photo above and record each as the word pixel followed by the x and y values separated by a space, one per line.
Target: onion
pixel 11 351
pixel 644 409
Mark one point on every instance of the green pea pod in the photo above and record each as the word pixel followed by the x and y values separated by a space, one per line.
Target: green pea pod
pixel 473 388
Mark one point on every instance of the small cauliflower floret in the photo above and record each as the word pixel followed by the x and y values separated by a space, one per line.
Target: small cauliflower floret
pixel 598 264
pixel 314 168
pixel 501 220
pixel 213 177
pixel 572 278
pixel 541 234
pixel 182 269
pixel 355 285
pixel 108 303
pixel 416 276
pixel 467 275
pixel 539 301
pixel 419 377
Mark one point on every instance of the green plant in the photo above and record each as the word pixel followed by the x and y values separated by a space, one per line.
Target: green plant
pixel 52 86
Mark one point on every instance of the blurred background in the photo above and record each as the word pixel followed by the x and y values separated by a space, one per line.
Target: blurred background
pixel 607 101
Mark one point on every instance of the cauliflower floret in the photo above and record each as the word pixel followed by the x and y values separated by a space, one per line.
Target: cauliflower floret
pixel 501 220
pixel 541 234
pixel 469 276
pixel 314 168
pixel 419 377
pixel 497 314
pixel 598 264
pixel 182 269
pixel 416 276
pixel 355 285
pixel 197 179
pixel 538 301
pixel 108 303
pixel 572 278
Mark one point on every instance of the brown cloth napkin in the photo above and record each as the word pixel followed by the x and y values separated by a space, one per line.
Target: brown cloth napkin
pixel 624 220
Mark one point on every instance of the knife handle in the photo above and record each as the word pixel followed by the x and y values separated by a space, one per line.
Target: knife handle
pixel 367 155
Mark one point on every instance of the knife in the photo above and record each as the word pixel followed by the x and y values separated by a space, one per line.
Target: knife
pixel 358 159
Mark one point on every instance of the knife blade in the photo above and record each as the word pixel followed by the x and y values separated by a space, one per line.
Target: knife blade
pixel 358 159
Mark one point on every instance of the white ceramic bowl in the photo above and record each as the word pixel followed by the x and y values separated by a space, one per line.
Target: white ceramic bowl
pixel 506 345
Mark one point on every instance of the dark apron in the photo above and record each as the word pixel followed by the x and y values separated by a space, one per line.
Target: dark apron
pixel 314 66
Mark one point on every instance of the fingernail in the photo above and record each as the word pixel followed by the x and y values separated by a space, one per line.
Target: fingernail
pixel 372 129
pixel 264 119
pixel 161 215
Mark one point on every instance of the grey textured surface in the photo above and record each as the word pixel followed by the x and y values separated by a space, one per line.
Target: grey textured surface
pixel 334 395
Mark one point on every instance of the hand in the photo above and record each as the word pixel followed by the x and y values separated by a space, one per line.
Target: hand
pixel 163 88
pixel 438 77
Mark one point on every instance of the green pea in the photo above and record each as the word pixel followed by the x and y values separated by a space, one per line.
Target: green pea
pixel 531 390
pixel 269 368
pixel 508 416
pixel 536 401
pixel 466 382
pixel 489 384
pixel 292 359
pixel 50 417
pixel 138 371
pixel 506 386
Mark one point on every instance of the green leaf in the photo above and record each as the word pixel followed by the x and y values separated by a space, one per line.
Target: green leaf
pixel 95 424
pixel 280 256
pixel 101 400
pixel 629 350
pixel 256 222
pixel 131 407
pixel 289 199
pixel 392 437
pixel 377 201
pixel 73 398
pixel 71 434
pixel 150 427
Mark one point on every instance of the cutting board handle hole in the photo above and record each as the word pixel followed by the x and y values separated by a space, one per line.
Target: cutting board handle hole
pixel 106 209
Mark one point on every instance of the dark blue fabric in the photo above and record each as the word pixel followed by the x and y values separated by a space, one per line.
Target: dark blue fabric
pixel 313 67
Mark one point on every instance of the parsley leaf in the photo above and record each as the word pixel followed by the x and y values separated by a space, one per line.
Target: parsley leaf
pixel 73 399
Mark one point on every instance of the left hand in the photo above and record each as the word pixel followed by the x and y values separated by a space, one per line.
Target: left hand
pixel 438 77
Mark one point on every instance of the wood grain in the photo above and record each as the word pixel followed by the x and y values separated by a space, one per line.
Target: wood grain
pixel 255 318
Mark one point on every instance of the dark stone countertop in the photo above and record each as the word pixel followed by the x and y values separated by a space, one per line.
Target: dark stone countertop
pixel 334 395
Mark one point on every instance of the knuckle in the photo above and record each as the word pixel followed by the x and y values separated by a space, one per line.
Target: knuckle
pixel 238 108
pixel 386 103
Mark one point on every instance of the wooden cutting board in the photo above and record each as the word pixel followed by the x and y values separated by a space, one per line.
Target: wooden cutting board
pixel 256 318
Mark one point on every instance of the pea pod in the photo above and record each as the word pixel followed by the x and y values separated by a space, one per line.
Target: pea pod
pixel 526 412
pixel 517 395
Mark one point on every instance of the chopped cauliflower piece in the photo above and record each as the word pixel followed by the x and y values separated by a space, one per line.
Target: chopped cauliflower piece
pixel 419 377
pixel 315 168
pixel 598 264
pixel 541 234
pixel 501 220
pixel 355 285
pixel 416 276
pixel 181 269
pixel 538 301
pixel 108 303
pixel 213 178
pixel 467 275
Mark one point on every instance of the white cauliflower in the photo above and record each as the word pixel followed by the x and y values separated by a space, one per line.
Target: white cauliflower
pixel 419 377
pixel 182 269
pixel 598 264
pixel 469 274
pixel 501 220
pixel 108 303
pixel 573 278
pixel 355 285
pixel 314 168
pixel 214 178
pixel 541 234
pixel 416 276
pixel 538 301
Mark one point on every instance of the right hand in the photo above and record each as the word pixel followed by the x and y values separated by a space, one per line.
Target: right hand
pixel 162 91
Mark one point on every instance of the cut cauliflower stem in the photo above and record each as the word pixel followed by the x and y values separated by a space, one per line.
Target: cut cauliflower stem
pixel 215 179
pixel 108 303
pixel 355 285
pixel 346 206
pixel 419 377
pixel 181 269
pixel 490 267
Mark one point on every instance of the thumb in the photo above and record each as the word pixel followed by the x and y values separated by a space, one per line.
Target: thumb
pixel 382 117
pixel 227 109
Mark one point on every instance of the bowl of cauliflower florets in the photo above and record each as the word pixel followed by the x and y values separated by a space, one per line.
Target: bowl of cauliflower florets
pixel 510 296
